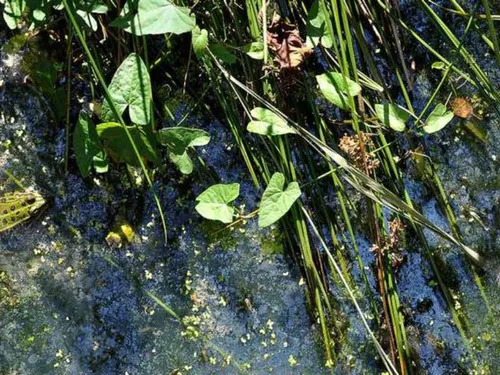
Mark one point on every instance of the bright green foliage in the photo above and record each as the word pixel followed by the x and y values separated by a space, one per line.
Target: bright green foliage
pixel 392 116
pixel 199 40
pixel 214 202
pixel 87 147
pixel 178 140
pixel 334 88
pixel 316 27
pixel 13 12
pixel 85 12
pixel 222 53
pixel 152 17
pixel 276 202
pixel 255 50
pixel 268 123
pixel 438 119
pixel 130 87
pixel 118 146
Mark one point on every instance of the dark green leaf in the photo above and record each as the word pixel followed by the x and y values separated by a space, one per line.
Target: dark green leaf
pixel 178 140
pixel 222 53
pixel 316 27
pixel 87 147
pixel 118 145
pixel 130 87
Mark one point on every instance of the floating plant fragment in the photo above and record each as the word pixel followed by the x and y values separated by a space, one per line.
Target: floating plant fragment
pixel 214 202
pixel 392 116
pixel 438 119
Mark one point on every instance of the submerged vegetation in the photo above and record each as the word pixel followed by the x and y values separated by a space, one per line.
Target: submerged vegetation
pixel 325 103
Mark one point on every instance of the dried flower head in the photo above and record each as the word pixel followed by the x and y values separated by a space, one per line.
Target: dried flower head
pixel 355 146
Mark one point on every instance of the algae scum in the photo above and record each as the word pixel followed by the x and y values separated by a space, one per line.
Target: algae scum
pixel 87 284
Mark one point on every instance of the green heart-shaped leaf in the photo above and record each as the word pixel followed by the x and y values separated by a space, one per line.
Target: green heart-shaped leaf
pixel 276 202
pixel 255 50
pixel 268 123
pixel 213 202
pixel 334 88
pixel 438 119
pixel 316 27
pixel 199 39
pixel 178 140
pixel 392 116
pixel 130 87
pixel 154 17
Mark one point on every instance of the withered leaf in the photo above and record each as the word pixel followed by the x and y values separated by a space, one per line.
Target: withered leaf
pixel 461 107
pixel 284 40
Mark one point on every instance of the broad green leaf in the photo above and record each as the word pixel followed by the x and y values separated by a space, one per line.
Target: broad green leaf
pixel 92 6
pixel 268 123
pixel 13 12
pixel 255 50
pixel 276 202
pixel 88 19
pixel 316 27
pixel 87 147
pixel 214 202
pixel 199 40
pixel 130 87
pixel 222 53
pixel 44 75
pixel 334 88
pixel 392 116
pixel 118 145
pixel 178 140
pixel 154 17
pixel 438 119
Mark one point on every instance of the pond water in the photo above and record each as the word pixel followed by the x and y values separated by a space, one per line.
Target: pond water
pixel 72 304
